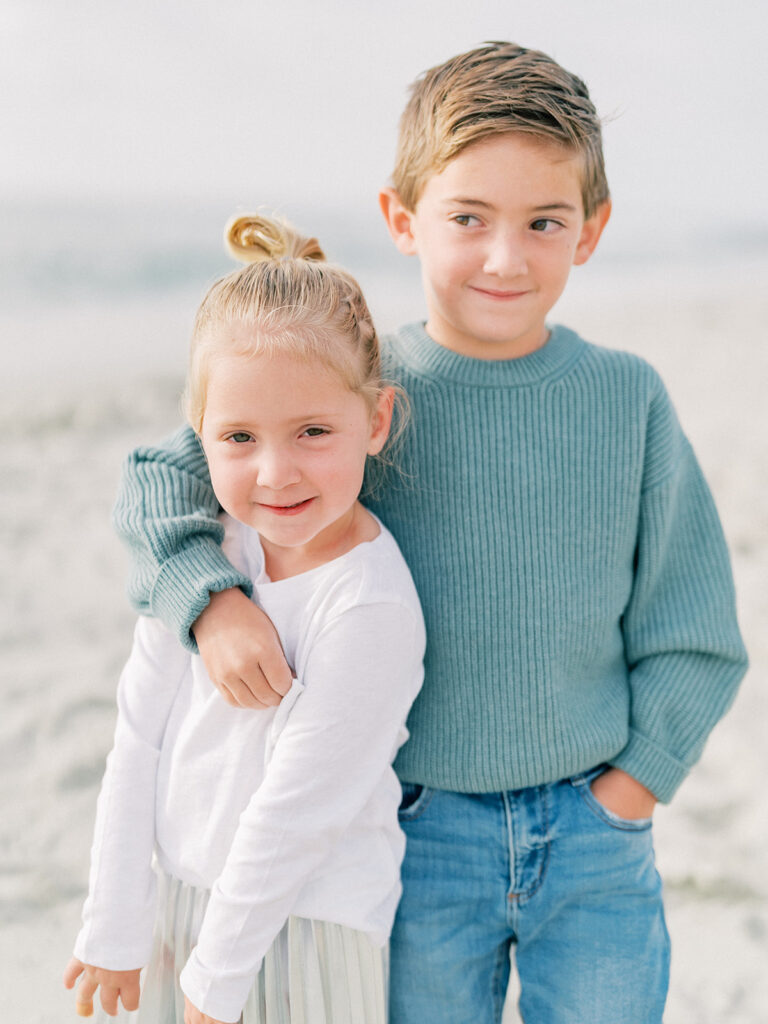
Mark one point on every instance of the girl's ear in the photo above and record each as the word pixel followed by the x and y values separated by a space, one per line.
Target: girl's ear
pixel 590 233
pixel 399 221
pixel 381 421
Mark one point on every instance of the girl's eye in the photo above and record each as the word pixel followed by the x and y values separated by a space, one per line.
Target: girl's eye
pixel 315 432
pixel 240 437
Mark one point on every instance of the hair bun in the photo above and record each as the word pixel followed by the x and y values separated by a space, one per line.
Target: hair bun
pixel 252 238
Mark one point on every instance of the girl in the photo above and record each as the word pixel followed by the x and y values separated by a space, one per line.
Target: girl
pixel 274 832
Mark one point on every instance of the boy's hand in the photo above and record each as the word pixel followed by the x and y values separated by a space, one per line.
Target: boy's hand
pixel 242 652
pixel 193 1016
pixel 123 985
pixel 623 795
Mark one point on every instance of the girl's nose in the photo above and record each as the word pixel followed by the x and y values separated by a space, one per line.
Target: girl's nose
pixel 276 469
pixel 506 256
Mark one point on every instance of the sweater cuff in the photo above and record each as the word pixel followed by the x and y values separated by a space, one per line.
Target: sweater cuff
pixel 184 585
pixel 652 766
pixel 223 999
pixel 122 954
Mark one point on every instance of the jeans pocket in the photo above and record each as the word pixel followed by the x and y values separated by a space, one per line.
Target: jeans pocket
pixel 583 786
pixel 415 800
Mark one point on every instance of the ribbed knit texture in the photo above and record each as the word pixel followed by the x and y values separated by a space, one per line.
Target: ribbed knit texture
pixel 573 573
pixel 166 512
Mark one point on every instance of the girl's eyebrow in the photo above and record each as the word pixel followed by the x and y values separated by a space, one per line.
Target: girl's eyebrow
pixel 249 423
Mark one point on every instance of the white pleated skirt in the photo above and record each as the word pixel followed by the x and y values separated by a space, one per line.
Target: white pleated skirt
pixel 315 972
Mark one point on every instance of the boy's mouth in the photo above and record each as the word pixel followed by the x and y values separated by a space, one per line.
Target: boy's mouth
pixel 500 294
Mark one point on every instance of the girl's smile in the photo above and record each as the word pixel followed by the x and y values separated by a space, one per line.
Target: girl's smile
pixel 288 510
pixel 286 442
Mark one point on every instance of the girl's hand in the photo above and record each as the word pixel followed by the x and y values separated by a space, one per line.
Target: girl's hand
pixel 193 1016
pixel 114 985
pixel 623 795
pixel 241 651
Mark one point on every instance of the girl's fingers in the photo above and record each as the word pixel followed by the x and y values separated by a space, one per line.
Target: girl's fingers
pixel 114 986
pixel 109 999
pixel 72 972
pixel 85 990
pixel 84 1001
pixel 129 994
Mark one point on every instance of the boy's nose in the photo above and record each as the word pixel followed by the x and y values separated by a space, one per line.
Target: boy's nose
pixel 506 256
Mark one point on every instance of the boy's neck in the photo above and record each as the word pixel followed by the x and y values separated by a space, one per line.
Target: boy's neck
pixel 423 354
pixel 481 348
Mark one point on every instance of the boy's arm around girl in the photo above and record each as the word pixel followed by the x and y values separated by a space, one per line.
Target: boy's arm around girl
pixel 682 645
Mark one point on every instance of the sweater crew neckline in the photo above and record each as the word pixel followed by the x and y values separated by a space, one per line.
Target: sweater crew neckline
pixel 423 354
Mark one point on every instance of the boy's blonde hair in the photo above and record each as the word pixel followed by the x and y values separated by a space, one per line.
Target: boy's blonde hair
pixel 495 89
pixel 290 301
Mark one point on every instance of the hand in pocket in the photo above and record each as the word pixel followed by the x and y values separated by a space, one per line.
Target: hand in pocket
pixel 623 795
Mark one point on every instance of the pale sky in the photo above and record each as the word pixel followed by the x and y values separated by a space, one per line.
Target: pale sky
pixel 299 99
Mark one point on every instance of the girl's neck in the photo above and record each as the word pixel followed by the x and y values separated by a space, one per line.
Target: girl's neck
pixel 358 526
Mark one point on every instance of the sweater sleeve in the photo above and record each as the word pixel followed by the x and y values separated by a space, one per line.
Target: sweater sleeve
pixel 682 642
pixel 166 513
pixel 119 911
pixel 341 735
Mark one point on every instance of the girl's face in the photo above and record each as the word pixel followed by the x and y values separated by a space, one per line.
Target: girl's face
pixel 286 443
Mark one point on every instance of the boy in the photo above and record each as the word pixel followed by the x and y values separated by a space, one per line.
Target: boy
pixel 582 639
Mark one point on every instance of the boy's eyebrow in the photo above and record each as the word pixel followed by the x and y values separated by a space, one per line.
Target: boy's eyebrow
pixel 544 208
pixel 466 201
pixel 555 206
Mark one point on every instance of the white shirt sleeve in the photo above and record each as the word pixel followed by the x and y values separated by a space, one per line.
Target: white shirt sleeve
pixel 119 912
pixel 361 677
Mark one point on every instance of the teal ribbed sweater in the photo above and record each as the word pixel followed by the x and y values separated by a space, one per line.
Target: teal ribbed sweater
pixel 573 573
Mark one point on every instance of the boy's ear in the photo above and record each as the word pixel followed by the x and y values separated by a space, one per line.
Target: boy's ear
pixel 399 221
pixel 590 233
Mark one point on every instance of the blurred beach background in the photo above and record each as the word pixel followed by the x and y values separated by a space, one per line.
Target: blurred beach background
pixel 129 134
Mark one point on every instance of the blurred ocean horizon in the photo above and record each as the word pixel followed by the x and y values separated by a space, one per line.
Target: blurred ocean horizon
pixel 106 291
pixel 68 249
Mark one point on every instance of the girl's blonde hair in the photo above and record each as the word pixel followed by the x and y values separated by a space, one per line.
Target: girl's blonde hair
pixel 291 301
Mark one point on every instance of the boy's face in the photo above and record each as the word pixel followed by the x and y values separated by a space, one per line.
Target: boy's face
pixel 497 232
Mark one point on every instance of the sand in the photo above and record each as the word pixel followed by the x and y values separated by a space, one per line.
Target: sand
pixel 65 625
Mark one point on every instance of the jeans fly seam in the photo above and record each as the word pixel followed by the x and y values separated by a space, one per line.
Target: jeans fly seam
pixel 524 896
pixel 511 894
pixel 545 847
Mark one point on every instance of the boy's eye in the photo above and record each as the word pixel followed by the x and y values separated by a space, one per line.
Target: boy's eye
pixel 545 224
pixel 240 437
pixel 465 219
pixel 315 432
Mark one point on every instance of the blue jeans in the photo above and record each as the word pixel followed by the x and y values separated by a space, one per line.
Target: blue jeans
pixel 549 869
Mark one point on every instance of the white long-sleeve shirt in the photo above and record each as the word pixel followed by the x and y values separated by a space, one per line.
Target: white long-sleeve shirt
pixel 284 811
